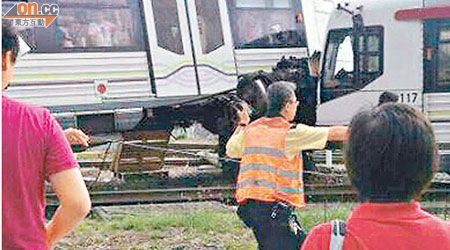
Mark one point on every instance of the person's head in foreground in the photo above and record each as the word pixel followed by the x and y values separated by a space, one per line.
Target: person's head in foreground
pixel 35 152
pixel 391 153
pixel 390 158
pixel 10 50
pixel 282 100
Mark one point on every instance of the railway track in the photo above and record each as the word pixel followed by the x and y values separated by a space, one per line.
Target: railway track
pixel 434 199
pixel 185 174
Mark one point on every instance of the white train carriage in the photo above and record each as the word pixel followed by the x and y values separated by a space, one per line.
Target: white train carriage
pixel 404 48
pixel 104 60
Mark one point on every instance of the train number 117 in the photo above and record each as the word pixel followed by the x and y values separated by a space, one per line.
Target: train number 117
pixel 408 97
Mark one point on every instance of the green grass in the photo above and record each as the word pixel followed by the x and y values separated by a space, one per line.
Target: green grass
pixel 172 227
pixel 182 226
pixel 312 215
pixel 202 228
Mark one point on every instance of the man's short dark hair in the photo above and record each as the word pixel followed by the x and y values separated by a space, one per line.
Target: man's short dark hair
pixel 386 97
pixel 10 39
pixel 279 94
pixel 391 153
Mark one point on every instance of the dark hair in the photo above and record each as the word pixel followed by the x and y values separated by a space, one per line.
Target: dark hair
pixel 252 90
pixel 386 97
pixel 391 153
pixel 279 94
pixel 10 40
pixel 236 107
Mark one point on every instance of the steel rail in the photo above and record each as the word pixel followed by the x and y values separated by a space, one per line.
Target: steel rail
pixel 218 193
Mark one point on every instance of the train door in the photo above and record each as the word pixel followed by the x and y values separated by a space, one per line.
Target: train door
pixel 213 46
pixel 437 76
pixel 190 46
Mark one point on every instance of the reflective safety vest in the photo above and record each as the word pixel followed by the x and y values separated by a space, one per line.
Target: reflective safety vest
pixel 266 174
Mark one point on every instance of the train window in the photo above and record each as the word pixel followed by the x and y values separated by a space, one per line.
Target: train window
pixel 338 63
pixel 168 25
pixel 437 55
pixel 373 43
pixel 443 71
pixel 340 71
pixel 344 57
pixel 93 25
pixel 373 62
pixel 266 24
pixel 209 24
pixel 370 56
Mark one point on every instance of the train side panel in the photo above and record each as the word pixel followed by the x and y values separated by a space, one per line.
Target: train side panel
pixel 69 79
pixel 405 49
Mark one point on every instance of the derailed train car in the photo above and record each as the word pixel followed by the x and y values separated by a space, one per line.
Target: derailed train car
pixel 398 46
pixel 105 65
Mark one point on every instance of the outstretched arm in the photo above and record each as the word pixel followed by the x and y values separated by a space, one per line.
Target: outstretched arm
pixel 74 204
pixel 338 133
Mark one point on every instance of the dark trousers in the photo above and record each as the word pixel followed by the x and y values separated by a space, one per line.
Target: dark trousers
pixel 272 226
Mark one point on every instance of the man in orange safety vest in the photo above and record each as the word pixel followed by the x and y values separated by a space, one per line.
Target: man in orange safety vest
pixel 269 183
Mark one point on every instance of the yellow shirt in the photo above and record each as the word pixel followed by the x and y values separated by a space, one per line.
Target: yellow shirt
pixel 300 138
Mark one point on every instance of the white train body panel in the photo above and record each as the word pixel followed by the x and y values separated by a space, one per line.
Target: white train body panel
pixel 119 56
pixel 69 79
pixel 403 69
